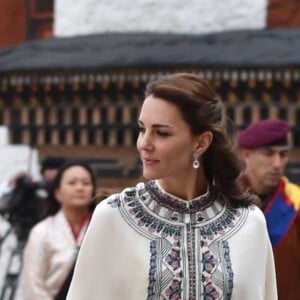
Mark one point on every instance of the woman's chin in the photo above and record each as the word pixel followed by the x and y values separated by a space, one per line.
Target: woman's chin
pixel 149 175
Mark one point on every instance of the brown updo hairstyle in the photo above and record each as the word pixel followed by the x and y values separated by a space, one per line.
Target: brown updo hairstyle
pixel 202 109
pixel 53 204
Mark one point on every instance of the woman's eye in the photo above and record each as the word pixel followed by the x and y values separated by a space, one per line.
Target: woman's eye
pixel 163 133
pixel 141 129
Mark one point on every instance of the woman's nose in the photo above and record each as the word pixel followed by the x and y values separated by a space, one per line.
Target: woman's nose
pixel 79 186
pixel 144 142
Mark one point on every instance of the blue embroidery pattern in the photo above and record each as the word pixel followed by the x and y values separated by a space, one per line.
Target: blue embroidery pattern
pixel 171 264
pixel 152 271
pixel 167 261
pixel 152 224
pixel 174 291
pixel 173 259
pixel 114 201
pixel 228 268
pixel 175 205
pixel 209 265
pixel 225 222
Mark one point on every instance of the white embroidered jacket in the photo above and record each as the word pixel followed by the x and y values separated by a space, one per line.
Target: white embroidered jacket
pixel 146 244
pixel 49 255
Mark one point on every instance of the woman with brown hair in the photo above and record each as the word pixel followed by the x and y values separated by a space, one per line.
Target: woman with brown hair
pixel 189 231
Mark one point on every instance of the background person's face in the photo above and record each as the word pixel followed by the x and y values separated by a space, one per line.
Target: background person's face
pixel 265 166
pixel 165 142
pixel 76 188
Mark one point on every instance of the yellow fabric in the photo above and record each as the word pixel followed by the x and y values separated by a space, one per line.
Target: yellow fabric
pixel 292 190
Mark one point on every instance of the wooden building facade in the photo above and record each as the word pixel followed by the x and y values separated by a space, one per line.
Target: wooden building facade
pixel 63 94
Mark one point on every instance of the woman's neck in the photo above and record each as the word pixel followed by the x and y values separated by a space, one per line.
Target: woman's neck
pixel 75 216
pixel 185 188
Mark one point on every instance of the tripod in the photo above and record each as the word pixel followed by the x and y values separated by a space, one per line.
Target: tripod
pixel 13 270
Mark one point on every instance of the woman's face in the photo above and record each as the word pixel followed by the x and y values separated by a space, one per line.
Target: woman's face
pixel 76 188
pixel 165 142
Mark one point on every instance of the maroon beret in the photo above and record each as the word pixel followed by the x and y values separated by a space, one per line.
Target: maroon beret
pixel 264 133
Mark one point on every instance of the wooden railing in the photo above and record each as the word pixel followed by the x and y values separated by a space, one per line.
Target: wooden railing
pixel 101 108
pixel 115 124
pixel 106 124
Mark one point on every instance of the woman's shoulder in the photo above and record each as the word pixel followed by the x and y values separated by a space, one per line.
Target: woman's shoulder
pixel 45 224
pixel 255 212
pixel 255 216
pixel 113 201
pixel 108 212
pixel 42 230
pixel 255 227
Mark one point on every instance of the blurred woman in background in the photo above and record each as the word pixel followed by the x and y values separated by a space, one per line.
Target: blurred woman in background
pixel 53 243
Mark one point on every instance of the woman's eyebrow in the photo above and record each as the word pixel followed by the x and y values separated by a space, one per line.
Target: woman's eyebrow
pixel 157 125
pixel 162 126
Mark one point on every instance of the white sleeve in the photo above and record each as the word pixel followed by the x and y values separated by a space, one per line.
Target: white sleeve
pixel 93 263
pixel 270 285
pixel 35 264
pixel 105 254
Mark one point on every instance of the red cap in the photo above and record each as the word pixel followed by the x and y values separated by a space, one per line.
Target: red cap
pixel 264 133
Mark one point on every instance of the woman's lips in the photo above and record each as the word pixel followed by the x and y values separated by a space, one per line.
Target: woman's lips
pixel 149 161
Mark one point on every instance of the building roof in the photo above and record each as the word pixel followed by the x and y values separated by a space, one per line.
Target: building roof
pixel 236 49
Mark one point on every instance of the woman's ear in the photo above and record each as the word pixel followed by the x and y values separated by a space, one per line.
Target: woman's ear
pixel 203 142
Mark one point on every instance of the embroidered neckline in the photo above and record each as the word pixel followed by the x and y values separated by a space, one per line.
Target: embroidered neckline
pixel 179 205
pixel 168 224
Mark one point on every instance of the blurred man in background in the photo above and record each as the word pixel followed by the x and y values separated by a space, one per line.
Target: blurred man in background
pixel 264 146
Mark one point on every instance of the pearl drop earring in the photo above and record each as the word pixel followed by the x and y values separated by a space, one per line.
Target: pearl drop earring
pixel 196 162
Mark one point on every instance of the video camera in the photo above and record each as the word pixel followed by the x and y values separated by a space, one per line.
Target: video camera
pixel 26 204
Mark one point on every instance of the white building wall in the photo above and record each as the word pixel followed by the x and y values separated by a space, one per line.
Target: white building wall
pixel 81 17
pixel 18 158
